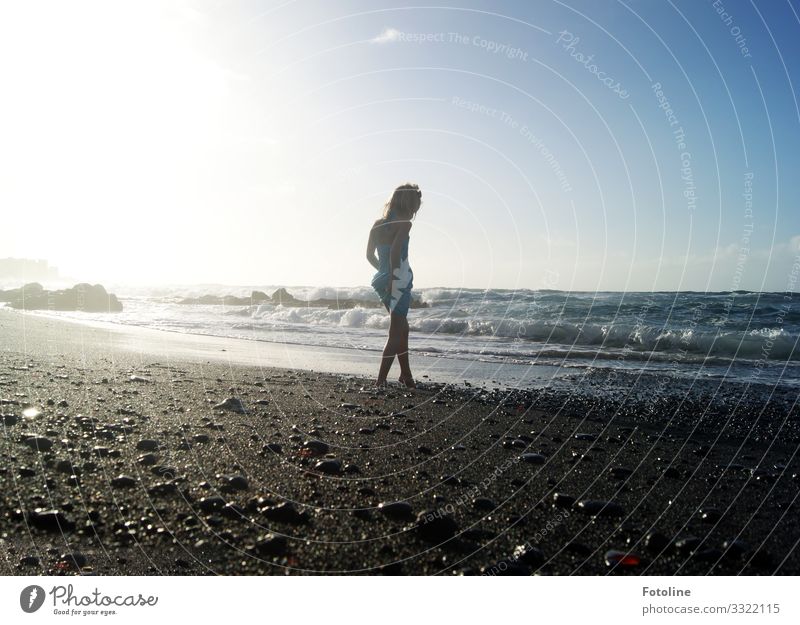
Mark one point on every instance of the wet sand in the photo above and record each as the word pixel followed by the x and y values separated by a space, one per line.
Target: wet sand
pixel 116 461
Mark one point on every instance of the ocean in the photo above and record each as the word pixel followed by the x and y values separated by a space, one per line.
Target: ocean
pixel 736 336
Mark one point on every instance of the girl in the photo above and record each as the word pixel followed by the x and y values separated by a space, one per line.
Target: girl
pixel 394 280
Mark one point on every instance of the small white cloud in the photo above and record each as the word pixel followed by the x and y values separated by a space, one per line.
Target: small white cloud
pixel 387 36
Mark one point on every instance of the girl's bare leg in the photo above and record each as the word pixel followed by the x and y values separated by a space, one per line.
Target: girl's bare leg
pixel 402 356
pixel 392 348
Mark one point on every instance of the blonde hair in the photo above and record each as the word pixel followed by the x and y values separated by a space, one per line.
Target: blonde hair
pixel 404 203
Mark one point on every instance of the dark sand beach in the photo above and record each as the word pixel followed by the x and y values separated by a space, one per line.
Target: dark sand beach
pixel 116 461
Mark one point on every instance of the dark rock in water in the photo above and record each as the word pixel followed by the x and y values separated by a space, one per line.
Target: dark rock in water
pixel 271 545
pixel 211 504
pixel 710 515
pixel 201 439
pixel 29 561
pixel 26 472
pixel 50 520
pixel 147 445
pixel 123 481
pixel 272 448
pixel 578 548
pixel 400 510
pixel 672 473
pixel 532 458
pixel 81 297
pixel 483 503
pixel 710 554
pixel 434 526
pixel 600 508
pixel 656 542
pixel 232 404
pixel 585 437
pixel 529 555
pixel 329 467
pixel 10 419
pixel 351 468
pixel 622 559
pixel 687 544
pixel 39 443
pixel 562 500
pixel 284 513
pixel 620 473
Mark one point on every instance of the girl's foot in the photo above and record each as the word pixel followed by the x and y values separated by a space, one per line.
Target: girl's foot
pixel 408 381
pixel 380 384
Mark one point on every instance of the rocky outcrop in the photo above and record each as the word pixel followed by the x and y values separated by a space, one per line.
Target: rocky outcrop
pixel 81 297
pixel 284 298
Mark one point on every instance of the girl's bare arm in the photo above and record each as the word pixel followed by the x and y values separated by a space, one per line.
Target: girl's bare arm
pixel 371 244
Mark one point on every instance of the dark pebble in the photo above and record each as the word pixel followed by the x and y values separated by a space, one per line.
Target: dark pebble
pixel 484 503
pixel 585 437
pixel 396 509
pixel 687 544
pixel 620 473
pixel 123 481
pixel 433 526
pixel 284 513
pixel 710 515
pixel 656 542
pixel 51 520
pixel 147 444
pixel 147 460
pixel 10 419
pixel 599 508
pixel 75 559
pixel 562 500
pixel 273 448
pixel 318 448
pixel 329 467
pixel 39 443
pixel 735 548
pixel 211 504
pixel 532 458
pixel 271 545
pixel 529 555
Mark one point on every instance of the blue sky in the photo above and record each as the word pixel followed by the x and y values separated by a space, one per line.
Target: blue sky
pixel 254 142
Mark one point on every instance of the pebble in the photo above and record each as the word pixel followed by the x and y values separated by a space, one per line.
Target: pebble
pixel 585 437
pixel 710 515
pixel 656 542
pixel 138 378
pixel 50 520
pixel 232 404
pixel 284 513
pixel 147 460
pixel 273 448
pixel 532 458
pixel 39 443
pixel 123 481
pixel 433 526
pixel 319 448
pixel 201 439
pixel 29 561
pixel 620 473
pixel 147 444
pixel 75 559
pixel 235 482
pixel 271 545
pixel 529 555
pixel 687 544
pixel 597 507
pixel 10 419
pixel 396 509
pixel 484 503
pixel 562 500
pixel 622 559
pixel 329 467
pixel 211 504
